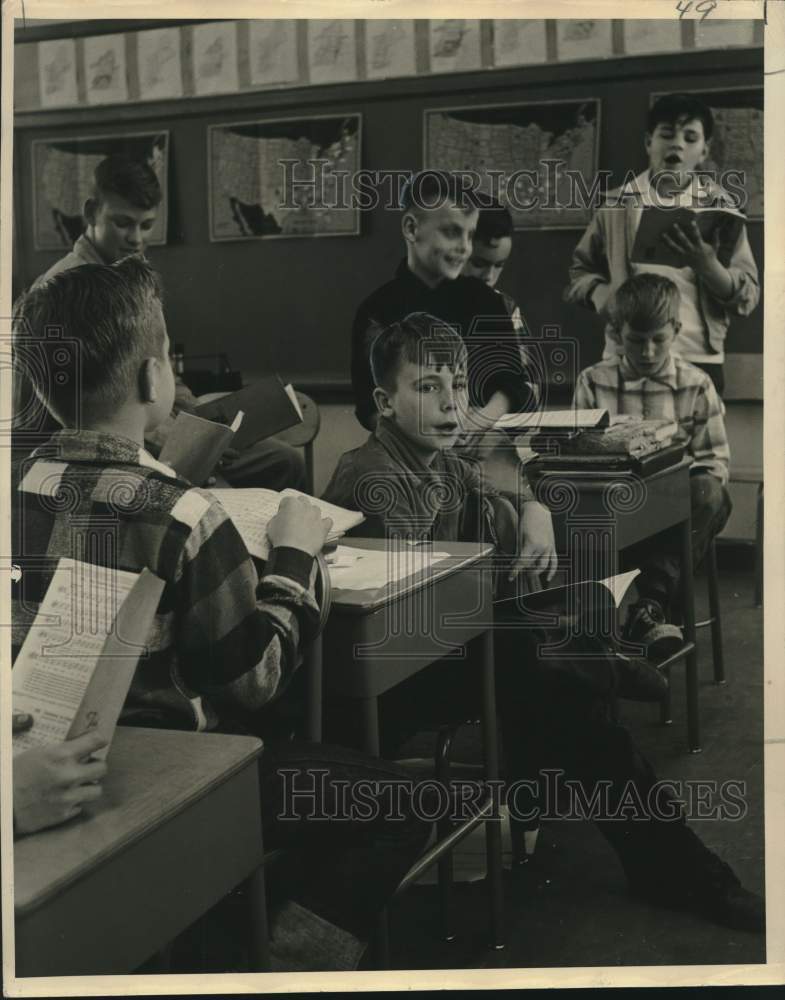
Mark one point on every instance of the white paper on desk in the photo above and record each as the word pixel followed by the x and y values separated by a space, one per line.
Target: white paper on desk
pixel 80 616
pixel 371 569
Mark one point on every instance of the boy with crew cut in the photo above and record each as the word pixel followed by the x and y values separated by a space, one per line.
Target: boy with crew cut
pixel 649 382
pixel 438 224
pixel 555 713
pixel 228 632
pixel 716 281
pixel 491 249
pixel 119 217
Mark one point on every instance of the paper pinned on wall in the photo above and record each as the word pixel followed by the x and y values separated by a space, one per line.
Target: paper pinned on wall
pixel 722 31
pixel 518 42
pixel 104 68
pixel 332 53
pixel 215 58
pixel 454 45
pixel 159 66
pixel 389 48
pixel 273 52
pixel 583 39
pixel 642 35
pixel 57 72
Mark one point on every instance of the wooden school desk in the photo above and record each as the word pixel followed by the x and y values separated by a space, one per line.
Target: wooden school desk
pixel 597 514
pixel 374 639
pixel 177 828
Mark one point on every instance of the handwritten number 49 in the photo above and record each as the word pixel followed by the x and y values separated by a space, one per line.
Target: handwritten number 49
pixel 704 8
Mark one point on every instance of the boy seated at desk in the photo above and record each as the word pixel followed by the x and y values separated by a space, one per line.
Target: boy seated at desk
pixel 555 713
pixel 650 382
pixel 228 635
pixel 119 218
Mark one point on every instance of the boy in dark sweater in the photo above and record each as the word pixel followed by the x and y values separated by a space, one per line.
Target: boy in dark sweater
pixel 554 713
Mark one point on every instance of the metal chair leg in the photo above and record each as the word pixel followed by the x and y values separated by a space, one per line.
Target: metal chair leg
pixel 715 617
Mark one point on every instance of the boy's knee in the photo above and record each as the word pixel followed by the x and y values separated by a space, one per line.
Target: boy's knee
pixel 709 497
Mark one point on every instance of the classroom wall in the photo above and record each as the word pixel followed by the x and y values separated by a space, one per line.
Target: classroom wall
pixel 289 303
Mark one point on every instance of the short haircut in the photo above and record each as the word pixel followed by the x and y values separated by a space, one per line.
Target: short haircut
pixel 93 326
pixel 133 180
pixel 419 338
pixel 495 222
pixel 431 189
pixel 645 302
pixel 670 109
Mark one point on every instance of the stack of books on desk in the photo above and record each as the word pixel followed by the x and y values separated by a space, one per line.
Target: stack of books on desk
pixel 626 443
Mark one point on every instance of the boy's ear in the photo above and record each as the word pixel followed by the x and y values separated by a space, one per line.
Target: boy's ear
pixel 409 226
pixel 148 380
pixel 89 210
pixel 382 400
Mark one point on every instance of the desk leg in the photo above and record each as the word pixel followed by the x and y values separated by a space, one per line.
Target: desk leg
pixel 493 834
pixel 688 618
pixel 313 666
pixel 259 944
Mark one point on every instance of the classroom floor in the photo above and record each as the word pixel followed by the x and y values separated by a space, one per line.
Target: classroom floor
pixel 571 907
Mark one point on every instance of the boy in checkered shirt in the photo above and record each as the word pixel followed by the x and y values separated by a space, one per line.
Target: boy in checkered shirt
pixel 648 381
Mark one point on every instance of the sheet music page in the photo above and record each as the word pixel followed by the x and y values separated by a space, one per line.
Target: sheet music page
pixel 251 510
pixel 619 585
pixel 342 518
pixel 61 650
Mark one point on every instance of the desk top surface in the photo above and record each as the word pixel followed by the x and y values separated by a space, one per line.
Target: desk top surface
pixel 462 556
pixel 153 775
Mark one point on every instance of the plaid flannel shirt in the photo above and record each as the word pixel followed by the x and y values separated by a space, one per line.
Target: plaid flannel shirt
pixel 680 392
pixel 223 638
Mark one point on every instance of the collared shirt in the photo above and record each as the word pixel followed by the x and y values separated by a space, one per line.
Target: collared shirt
pixel 223 638
pixel 476 311
pixel 84 252
pixel 680 392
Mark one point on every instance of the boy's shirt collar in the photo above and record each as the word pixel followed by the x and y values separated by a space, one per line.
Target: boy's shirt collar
pixel 390 436
pixel 99 447
pixel 666 375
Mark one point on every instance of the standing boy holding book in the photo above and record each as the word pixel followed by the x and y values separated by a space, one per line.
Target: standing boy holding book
pixel 649 382
pixel 716 280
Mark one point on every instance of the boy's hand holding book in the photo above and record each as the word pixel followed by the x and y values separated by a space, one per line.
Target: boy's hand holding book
pixel 299 525
pixel 52 783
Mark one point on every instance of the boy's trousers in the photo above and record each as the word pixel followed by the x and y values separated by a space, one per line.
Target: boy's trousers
pixel 659 558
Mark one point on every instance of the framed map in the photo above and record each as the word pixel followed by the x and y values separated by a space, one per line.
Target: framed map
pixel 62 178
pixel 737 142
pixel 533 157
pixel 283 177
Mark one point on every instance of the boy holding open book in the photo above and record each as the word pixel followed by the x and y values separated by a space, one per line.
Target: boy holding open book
pixel 555 710
pixel 714 270
pixel 647 381
pixel 227 638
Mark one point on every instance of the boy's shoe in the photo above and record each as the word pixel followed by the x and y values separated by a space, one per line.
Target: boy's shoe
pixel 640 680
pixel 646 625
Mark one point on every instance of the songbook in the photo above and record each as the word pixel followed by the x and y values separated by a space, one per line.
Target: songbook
pixel 574 597
pixel 559 421
pixel 251 510
pixel 649 248
pixel 194 446
pixel 79 657
pixel 268 406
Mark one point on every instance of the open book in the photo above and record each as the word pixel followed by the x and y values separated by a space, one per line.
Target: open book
pixel 77 662
pixel 573 597
pixel 194 445
pixel 252 509
pixel 268 406
pixel 649 247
